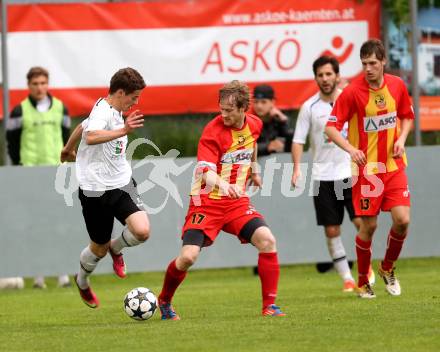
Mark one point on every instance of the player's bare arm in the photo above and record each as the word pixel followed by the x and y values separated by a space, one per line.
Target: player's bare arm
pixel 211 180
pixel 255 169
pixel 133 121
pixel 278 114
pixel 297 151
pixel 68 153
pixel 399 145
pixel 357 155
pixel 276 146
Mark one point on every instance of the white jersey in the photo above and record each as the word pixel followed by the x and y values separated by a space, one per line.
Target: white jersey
pixel 330 163
pixel 103 166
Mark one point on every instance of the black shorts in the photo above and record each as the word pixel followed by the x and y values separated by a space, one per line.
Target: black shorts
pixel 330 201
pixel 100 208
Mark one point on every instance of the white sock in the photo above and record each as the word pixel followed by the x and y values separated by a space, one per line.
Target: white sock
pixel 63 280
pixel 127 239
pixel 87 263
pixel 337 253
pixel 39 281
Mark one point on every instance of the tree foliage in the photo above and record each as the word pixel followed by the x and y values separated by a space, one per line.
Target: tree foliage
pixel 399 10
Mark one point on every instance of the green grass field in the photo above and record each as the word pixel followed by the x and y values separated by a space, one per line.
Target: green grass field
pixel 220 311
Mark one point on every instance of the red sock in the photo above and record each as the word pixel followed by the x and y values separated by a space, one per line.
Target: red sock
pixel 394 246
pixel 363 253
pixel 172 280
pixel 269 271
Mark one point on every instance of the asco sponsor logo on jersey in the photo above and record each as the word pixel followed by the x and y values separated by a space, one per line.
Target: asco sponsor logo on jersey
pixel 243 156
pixel 380 123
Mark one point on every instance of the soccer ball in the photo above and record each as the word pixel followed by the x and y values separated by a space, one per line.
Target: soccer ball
pixel 140 303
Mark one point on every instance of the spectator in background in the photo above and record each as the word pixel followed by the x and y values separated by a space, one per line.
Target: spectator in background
pixel 11 283
pixel 275 136
pixel 36 131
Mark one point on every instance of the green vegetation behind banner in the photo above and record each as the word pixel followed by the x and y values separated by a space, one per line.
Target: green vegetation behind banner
pixel 399 10
pixel 182 132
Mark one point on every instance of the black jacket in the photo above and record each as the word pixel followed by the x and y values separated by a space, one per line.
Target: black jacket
pixel 272 130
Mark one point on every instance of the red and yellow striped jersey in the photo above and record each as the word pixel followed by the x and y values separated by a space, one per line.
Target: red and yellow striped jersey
pixel 373 120
pixel 227 151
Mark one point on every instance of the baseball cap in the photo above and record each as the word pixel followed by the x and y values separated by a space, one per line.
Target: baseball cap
pixel 264 91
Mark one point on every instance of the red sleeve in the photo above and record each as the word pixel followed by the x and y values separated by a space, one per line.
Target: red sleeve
pixel 256 125
pixel 405 109
pixel 342 110
pixel 208 151
pixel 259 125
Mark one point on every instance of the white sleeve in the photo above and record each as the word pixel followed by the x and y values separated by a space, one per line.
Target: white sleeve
pixel 97 121
pixel 302 125
pixel 85 123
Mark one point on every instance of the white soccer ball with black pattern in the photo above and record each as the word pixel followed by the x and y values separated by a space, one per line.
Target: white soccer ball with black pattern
pixel 140 303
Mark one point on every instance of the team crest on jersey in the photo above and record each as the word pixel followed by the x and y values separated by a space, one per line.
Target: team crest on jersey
pixel 119 147
pixel 380 101
pixel 241 139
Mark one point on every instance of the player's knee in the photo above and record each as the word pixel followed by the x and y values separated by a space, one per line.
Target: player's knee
pixel 357 223
pixel 401 223
pixel 142 233
pixel 270 244
pixel 188 259
pixel 265 241
pixel 369 228
pixel 100 250
pixel 332 231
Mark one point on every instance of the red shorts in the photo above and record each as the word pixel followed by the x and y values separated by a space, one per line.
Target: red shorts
pixel 212 215
pixel 384 191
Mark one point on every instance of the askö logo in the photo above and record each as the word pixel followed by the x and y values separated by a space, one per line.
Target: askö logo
pixel 337 43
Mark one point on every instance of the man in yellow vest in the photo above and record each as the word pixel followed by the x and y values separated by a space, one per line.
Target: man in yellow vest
pixel 36 131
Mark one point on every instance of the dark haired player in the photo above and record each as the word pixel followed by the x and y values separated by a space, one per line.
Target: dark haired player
pixel 106 187
pixel 331 172
pixel 380 116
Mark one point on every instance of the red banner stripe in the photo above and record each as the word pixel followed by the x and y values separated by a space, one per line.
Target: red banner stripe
pixel 169 14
